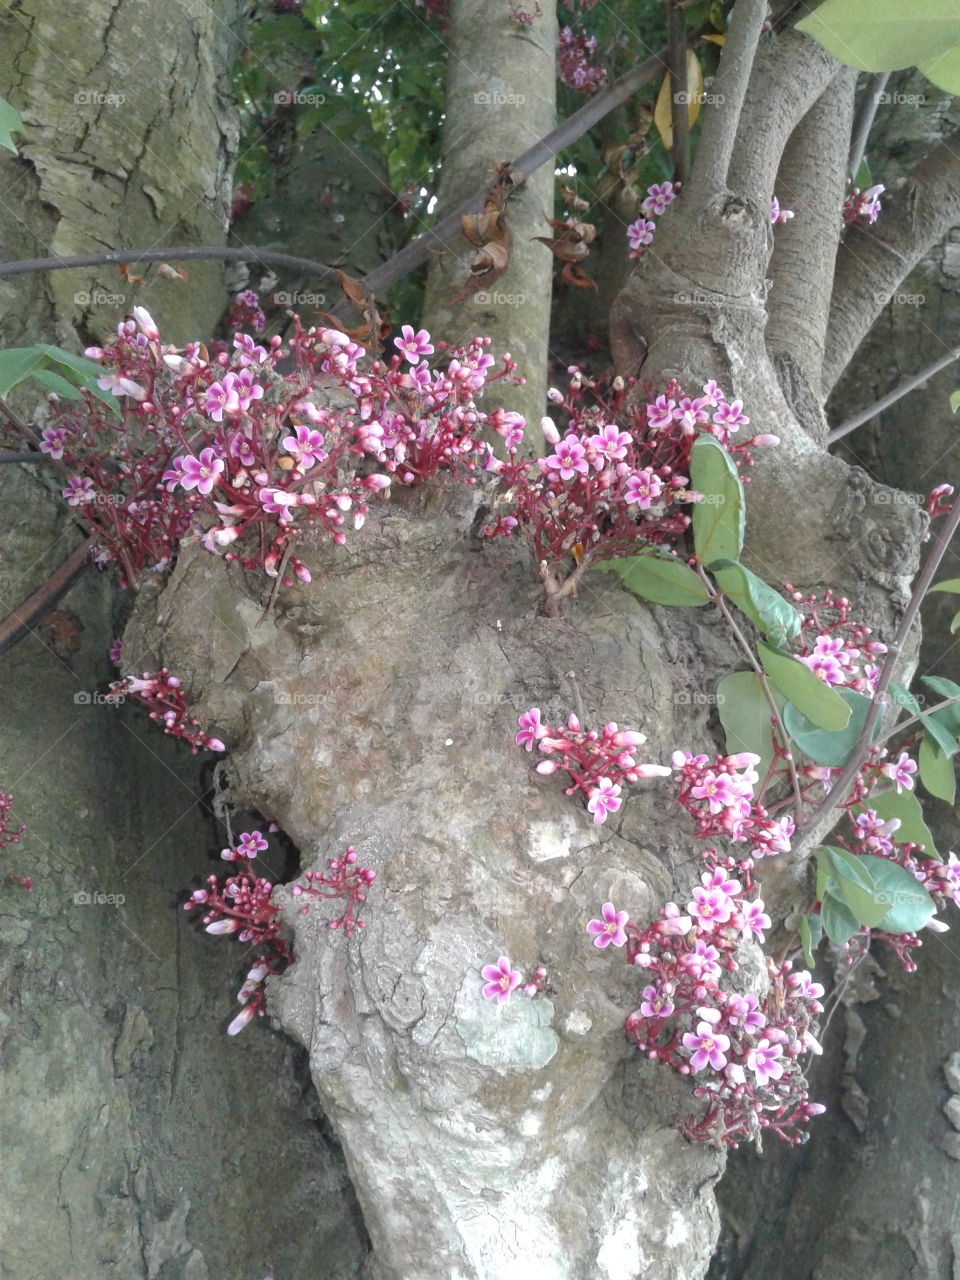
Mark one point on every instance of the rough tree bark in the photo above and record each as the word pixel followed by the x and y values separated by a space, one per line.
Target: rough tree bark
pixel 137 1139
pixel 501 96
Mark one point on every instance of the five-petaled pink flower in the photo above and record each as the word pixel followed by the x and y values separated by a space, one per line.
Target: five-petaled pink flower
pixel 78 490
pixel 656 1003
pixel 200 473
pixel 900 772
pixel 609 445
pixel 710 906
pixel 250 844
pixel 708 1046
pixel 611 928
pixel 501 980
pixel 604 799
pixel 642 488
pixel 657 198
pixel 530 728
pixel 413 345
pixel 569 459
pixel 306 445
pixel 221 397
pixel 762 1061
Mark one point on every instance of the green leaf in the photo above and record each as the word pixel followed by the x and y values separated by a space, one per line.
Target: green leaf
pixel 54 382
pixel 851 881
pixel 839 922
pixel 764 606
pixel 718 519
pixel 948 584
pixel 955 624
pixel 17 364
pixel 85 374
pixel 936 772
pixel 909 904
pixel 954 405
pixel 745 715
pixel 940 734
pixel 906 807
pixel 862 178
pixel 887 37
pixel 807 692
pixel 939 684
pixel 810 929
pixel 846 865
pixel 902 696
pixel 664 580
pixel 10 123
pixel 948 717
pixel 824 746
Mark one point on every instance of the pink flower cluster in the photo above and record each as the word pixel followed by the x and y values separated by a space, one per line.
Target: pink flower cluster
pixel 617 479
pixel 719 796
pixel 245 312
pixel 502 980
pixel 245 457
pixel 778 215
pixel 744 1050
pixel 242 906
pixel 862 208
pixel 162 694
pixel 834 648
pixel 640 233
pixel 597 763
pixel 7 834
pixel 575 50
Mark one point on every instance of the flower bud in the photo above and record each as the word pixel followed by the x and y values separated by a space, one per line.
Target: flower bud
pixel 550 432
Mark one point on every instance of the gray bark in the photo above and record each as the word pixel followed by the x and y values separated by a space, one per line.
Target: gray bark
pixel 501 92
pixel 139 1141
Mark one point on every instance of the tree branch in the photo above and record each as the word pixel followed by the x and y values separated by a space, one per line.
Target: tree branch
pixel 904 388
pixel 23 619
pixel 838 792
pixel 719 130
pixel 789 74
pixel 871 262
pixel 185 254
pixel 812 178
pixel 679 108
pixel 863 121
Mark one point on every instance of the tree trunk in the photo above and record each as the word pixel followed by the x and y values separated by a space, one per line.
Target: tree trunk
pixel 501 93
pixel 138 1139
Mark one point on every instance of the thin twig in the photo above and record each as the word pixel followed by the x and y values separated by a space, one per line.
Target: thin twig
pixel 577 701
pixel 23 431
pixel 8 457
pixel 744 643
pixel 905 387
pixel 21 621
pixel 905 724
pixel 863 120
pixel 838 792
pixel 181 252
pixel 679 108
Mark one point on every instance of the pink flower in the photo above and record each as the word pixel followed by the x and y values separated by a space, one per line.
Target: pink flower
pixel 500 978
pixel 54 438
pixel 609 445
pixel 708 1046
pixel 306 445
pixel 900 772
pixel 804 988
pixel 200 473
pixel 119 386
pixel 642 488
pixel 657 198
pixel 530 728
pixel 743 1010
pixel 656 1003
pixel 569 459
pixel 710 906
pixel 611 928
pixel 673 921
pixel 78 491
pixel 604 799
pixel 640 233
pixel 660 413
pixel 413 345
pixel 753 920
pixel 731 416
pixel 718 789
pixel 250 844
pixel 777 214
pixel 244 388
pixel 762 1061
pixel 701 962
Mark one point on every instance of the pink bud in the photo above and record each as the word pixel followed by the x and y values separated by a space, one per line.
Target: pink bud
pixel 653 771
pixel 573 724
pixel 241 1020
pixel 214 744
pixel 224 926
pixel 550 432
pixel 763 441
pixel 547 767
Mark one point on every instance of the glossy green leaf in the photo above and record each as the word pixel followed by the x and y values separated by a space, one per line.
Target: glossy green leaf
pixel 845 865
pixel 937 772
pixel 906 807
pixel 851 881
pixel 718 520
pixel 891 35
pixel 824 746
pixel 902 696
pixel 745 715
pixel 909 904
pixel 17 364
pixel 766 608
pixel 939 732
pixel 807 692
pixel 10 123
pixel 56 382
pixel 810 929
pixel 664 580
pixel 948 584
pixel 839 922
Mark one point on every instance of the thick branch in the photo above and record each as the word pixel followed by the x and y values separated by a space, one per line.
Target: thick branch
pixel 719 129
pixel 872 261
pixel 789 74
pixel 866 111
pixel 811 180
